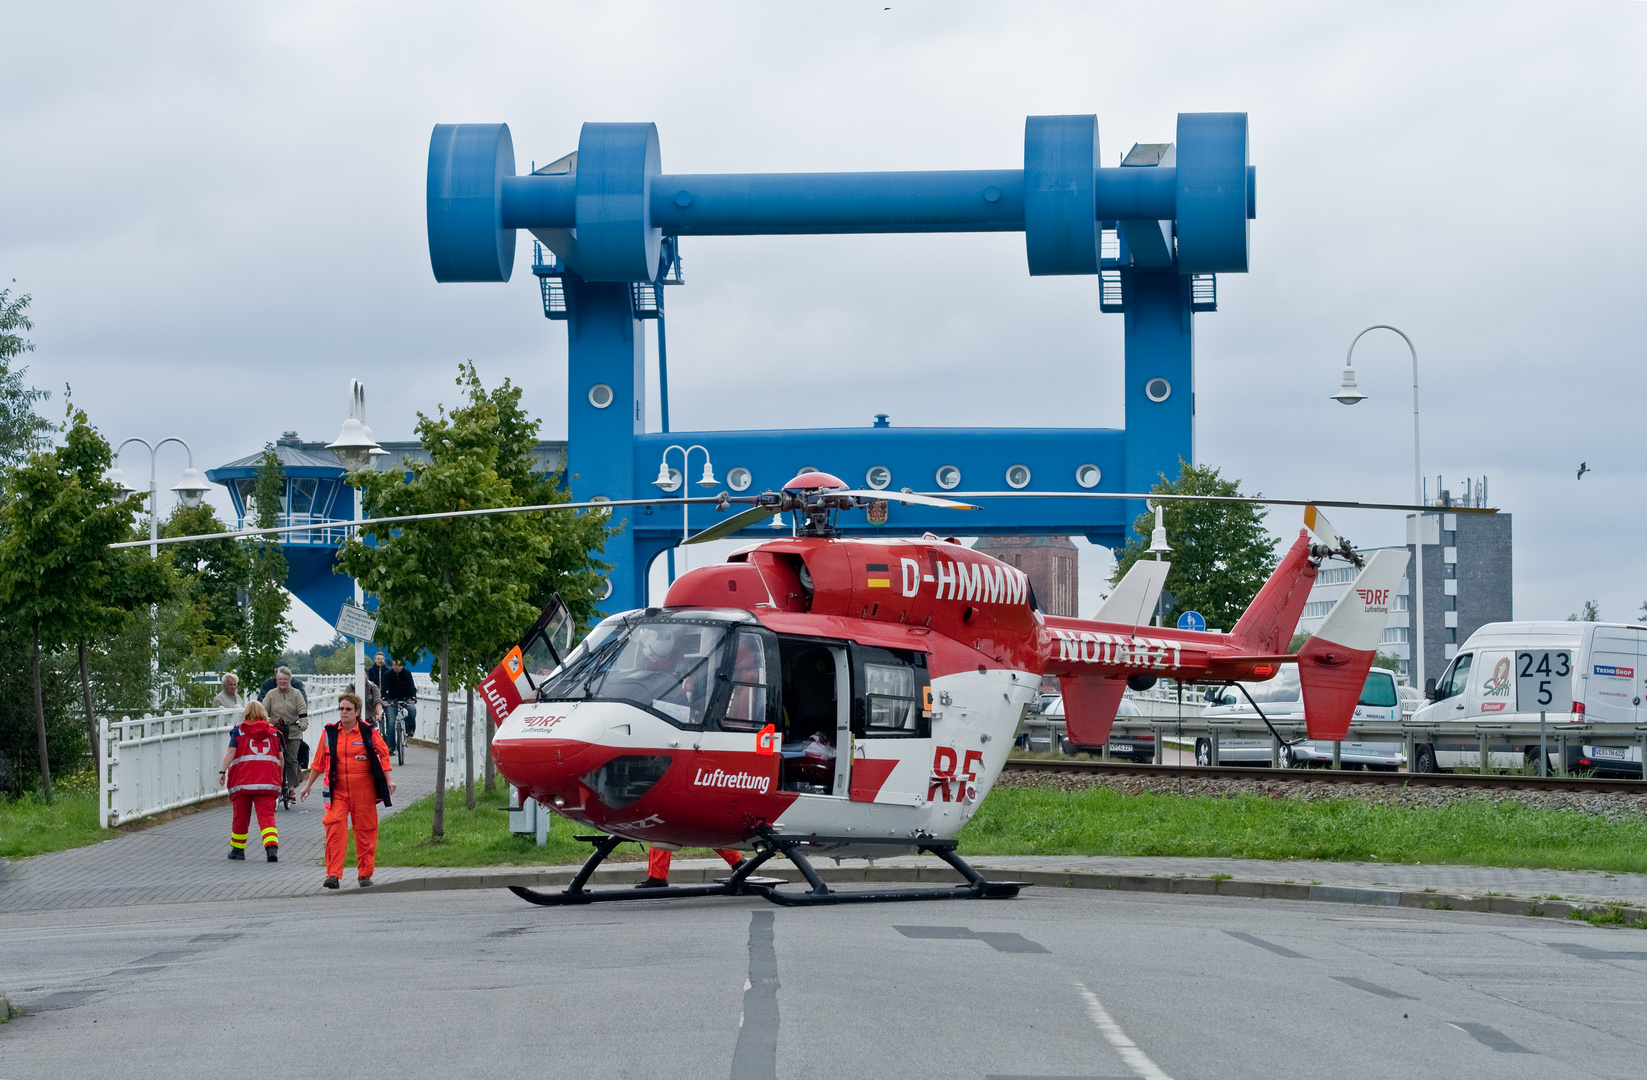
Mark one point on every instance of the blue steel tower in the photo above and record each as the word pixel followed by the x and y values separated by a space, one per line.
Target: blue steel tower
pixel 1155 231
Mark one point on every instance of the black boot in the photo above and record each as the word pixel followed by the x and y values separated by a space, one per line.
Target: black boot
pixel 329 883
pixel 271 852
pixel 654 883
pixel 237 854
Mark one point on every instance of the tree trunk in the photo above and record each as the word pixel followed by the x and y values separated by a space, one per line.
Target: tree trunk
pixel 91 720
pixel 40 715
pixel 440 756
pixel 491 767
pixel 469 753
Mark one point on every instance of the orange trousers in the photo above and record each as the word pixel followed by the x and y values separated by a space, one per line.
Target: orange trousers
pixel 658 860
pixel 340 812
pixel 243 801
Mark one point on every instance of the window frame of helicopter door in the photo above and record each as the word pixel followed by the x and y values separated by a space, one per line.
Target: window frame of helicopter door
pixel 727 685
pixel 916 663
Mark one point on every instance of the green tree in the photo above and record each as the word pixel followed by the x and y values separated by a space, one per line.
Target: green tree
pixel 266 628
pixel 20 427
pixel 1221 552
pixel 211 576
pixel 1590 612
pixel 58 575
pixel 454 587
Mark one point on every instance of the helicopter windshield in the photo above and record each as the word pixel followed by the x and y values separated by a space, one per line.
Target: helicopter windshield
pixel 665 665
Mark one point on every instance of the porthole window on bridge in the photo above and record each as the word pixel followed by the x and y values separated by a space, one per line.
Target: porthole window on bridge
pixel 1088 475
pixel 1158 389
pixel 1017 476
pixel 737 478
pixel 949 477
pixel 606 589
pixel 878 477
pixel 600 395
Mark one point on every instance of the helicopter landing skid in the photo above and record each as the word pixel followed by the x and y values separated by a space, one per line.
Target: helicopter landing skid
pixel 742 883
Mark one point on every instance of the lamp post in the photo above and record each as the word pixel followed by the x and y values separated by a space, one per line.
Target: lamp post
pixel 1158 547
pixel 666 480
pixel 189 491
pixel 355 448
pixel 1349 395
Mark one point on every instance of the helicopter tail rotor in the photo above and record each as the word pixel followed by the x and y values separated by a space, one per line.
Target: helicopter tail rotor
pixel 1330 544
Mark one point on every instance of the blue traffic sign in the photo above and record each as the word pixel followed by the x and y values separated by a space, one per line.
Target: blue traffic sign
pixel 1192 620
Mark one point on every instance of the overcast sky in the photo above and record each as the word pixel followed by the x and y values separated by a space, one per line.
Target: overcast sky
pixel 219 211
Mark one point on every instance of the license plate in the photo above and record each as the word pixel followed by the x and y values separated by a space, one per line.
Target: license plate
pixel 1613 753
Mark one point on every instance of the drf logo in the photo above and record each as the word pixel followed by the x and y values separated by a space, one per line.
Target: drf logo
pixel 950 784
pixel 1375 599
pixel 540 723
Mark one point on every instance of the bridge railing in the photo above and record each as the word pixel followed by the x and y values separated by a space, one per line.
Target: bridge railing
pixel 159 762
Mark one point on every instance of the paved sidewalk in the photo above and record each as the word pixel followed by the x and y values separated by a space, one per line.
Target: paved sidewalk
pixel 185 859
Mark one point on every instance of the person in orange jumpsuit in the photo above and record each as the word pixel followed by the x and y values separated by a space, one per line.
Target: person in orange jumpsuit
pixel 355 761
pixel 252 773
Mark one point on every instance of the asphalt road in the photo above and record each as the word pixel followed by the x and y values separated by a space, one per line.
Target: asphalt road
pixel 1053 984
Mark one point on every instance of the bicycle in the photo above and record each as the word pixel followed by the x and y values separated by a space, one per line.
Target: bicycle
pixel 395 712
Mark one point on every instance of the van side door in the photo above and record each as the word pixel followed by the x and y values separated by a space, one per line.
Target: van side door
pixel 1611 685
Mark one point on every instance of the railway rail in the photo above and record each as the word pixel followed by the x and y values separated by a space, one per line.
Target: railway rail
pixel 1594 785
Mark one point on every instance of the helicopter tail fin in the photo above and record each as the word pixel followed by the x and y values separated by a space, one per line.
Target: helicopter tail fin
pixel 1333 664
pixel 1090 702
pixel 1133 601
pixel 1269 621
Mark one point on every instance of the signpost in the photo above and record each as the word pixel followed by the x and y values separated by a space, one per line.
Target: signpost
pixel 1192 620
pixel 356 622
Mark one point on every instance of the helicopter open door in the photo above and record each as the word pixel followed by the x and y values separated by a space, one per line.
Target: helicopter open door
pixel 538 653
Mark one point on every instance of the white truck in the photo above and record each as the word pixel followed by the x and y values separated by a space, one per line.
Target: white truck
pixel 1571 672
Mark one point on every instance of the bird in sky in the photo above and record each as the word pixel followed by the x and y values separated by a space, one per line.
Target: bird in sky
pixel 1583 467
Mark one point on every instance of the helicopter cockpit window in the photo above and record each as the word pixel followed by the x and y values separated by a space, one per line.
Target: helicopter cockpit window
pixel 666 666
pixel 549 643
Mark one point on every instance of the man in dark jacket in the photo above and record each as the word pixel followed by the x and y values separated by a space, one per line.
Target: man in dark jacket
pixel 399 687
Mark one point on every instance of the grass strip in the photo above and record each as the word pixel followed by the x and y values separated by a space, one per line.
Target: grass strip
pixel 1044 820
pixel 31 826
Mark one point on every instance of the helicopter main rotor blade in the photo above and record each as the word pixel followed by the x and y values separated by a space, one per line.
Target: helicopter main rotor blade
pixel 909 498
pixel 252 534
pixel 741 520
pixel 1159 497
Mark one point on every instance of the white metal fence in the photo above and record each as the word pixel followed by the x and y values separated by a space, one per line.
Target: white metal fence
pixel 159 762
pixel 428 726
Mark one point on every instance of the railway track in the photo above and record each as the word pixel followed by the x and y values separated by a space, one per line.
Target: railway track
pixel 1592 785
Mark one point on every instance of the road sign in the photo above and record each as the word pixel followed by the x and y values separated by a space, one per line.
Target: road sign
pixel 356 622
pixel 1192 620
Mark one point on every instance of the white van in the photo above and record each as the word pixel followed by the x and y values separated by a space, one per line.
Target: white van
pixel 1575 672
pixel 1281 700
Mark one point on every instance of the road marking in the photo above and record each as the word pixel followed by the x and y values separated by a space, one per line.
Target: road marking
pixel 1279 950
pixel 1371 988
pixel 999 941
pixel 1136 1059
pixel 1491 1038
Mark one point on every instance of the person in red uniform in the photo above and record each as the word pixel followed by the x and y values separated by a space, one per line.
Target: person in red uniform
pixel 252 772
pixel 355 761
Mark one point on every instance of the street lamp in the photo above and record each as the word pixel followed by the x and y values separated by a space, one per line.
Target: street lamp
pixel 666 480
pixel 189 490
pixel 1349 395
pixel 355 448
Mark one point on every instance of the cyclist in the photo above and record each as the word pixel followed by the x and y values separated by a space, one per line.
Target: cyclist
pixel 400 693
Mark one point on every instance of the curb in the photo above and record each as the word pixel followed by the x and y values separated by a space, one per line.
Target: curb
pixel 1248 889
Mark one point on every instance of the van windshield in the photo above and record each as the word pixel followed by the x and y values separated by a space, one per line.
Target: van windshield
pixel 1379 693
pixel 1284 687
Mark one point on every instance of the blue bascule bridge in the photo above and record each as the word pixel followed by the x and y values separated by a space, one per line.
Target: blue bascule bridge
pixel 607 223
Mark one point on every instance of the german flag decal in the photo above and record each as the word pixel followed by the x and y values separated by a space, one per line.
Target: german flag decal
pixel 878 577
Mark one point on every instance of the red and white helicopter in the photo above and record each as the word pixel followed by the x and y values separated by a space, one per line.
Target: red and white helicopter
pixel 818 694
